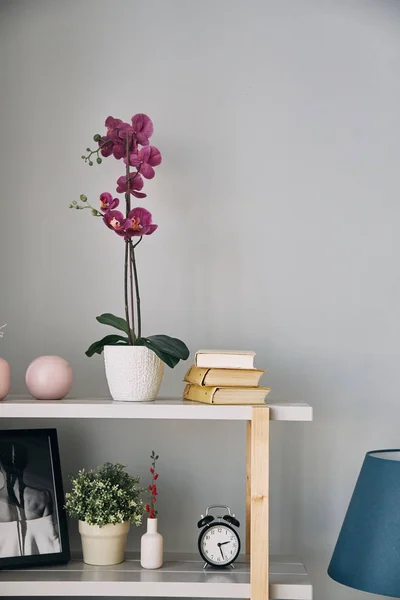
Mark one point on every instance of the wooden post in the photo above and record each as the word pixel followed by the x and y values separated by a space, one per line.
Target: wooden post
pixel 248 486
pixel 259 502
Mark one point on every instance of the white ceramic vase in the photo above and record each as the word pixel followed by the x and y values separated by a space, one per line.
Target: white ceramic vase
pixel 151 547
pixel 134 373
pixel 103 545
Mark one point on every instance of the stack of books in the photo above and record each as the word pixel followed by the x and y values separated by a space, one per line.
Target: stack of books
pixel 224 377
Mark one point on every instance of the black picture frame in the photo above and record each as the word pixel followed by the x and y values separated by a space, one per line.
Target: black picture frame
pixel 30 470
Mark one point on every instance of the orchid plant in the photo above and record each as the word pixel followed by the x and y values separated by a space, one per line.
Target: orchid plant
pixel 130 142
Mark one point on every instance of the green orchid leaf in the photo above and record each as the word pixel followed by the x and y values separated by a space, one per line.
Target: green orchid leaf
pixel 113 321
pixel 109 340
pixel 169 360
pixel 170 345
pixel 169 350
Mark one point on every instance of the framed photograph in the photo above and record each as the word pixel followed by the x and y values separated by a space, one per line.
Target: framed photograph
pixel 33 525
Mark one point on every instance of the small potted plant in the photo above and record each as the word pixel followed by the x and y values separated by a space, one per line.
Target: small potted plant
pixel 105 501
pixel 151 547
pixel 134 362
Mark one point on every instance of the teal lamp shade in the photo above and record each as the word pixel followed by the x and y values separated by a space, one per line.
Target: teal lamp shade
pixel 367 553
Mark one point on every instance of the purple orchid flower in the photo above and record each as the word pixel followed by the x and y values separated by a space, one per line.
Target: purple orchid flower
pixel 118 149
pixel 114 142
pixel 127 131
pixel 147 158
pixel 107 202
pixel 143 128
pixel 136 185
pixel 106 149
pixel 141 223
pixel 113 126
pixel 116 145
pixel 115 220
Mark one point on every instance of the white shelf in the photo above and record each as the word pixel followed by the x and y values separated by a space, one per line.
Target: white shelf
pixel 177 578
pixel 162 408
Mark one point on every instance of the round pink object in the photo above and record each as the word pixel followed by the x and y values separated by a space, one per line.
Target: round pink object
pixel 5 378
pixel 49 378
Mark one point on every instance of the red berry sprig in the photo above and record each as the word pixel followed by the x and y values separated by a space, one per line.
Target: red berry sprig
pixel 150 508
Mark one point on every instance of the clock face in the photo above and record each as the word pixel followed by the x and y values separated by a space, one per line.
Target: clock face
pixel 219 545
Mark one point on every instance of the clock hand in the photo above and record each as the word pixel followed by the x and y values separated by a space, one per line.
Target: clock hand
pixel 223 543
pixel 220 549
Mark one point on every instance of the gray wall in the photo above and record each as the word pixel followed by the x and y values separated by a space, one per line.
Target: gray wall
pixel 278 208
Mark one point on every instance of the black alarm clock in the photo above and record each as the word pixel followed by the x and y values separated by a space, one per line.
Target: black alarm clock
pixel 219 542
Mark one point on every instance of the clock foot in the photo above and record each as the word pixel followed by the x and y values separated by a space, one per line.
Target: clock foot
pixel 205 566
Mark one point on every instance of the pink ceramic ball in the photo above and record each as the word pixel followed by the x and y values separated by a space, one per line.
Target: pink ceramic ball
pixel 49 378
pixel 5 378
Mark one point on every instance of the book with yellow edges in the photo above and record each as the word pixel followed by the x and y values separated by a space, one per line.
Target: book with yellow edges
pixel 224 359
pixel 224 377
pixel 225 395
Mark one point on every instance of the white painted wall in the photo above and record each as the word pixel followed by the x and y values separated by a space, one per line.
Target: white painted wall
pixel 278 208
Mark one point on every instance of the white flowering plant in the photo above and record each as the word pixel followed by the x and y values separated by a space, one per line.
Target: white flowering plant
pixel 106 495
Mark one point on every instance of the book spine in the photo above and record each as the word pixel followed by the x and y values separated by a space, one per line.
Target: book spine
pixel 196 375
pixel 197 393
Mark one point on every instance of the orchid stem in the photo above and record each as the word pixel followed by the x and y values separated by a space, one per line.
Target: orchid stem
pixel 133 263
pixel 131 285
pixel 88 157
pixel 128 243
pixel 126 295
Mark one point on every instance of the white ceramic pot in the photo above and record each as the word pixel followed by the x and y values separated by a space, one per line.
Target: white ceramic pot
pixel 134 373
pixel 151 547
pixel 103 545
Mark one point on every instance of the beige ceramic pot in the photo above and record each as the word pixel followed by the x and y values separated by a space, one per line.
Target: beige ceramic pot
pixel 103 545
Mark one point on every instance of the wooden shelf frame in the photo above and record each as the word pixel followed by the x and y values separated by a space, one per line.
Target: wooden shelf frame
pixel 162 408
pixel 257 582
pixel 257 487
pixel 180 576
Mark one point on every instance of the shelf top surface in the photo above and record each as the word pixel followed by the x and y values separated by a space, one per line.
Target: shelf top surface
pixel 161 408
pixel 179 577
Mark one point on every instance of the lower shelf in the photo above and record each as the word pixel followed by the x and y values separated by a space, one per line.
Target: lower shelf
pixel 181 576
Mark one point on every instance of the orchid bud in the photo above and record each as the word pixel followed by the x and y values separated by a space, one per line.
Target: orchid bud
pixel 83 157
pixel 90 163
pixel 94 212
pixel 77 207
pixel 98 160
pixel 97 137
pixel 83 198
pixel 87 149
pixel 74 202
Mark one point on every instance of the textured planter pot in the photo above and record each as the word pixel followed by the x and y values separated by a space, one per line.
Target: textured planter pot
pixel 5 378
pixel 103 545
pixel 134 373
pixel 151 547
